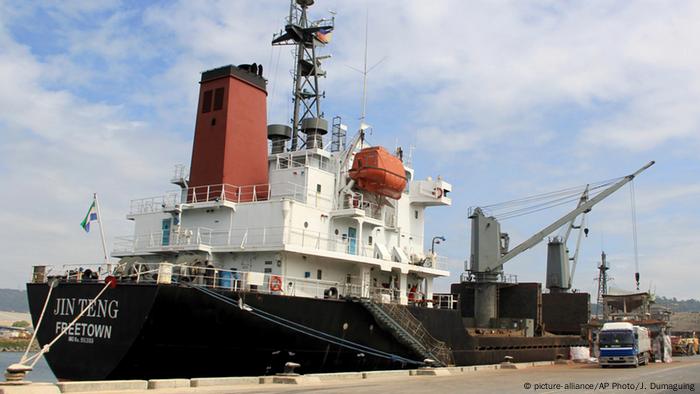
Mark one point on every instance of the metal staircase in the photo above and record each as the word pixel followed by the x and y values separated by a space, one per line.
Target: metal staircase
pixel 409 331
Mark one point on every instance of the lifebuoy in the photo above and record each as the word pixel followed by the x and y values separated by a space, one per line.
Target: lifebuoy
pixel 438 192
pixel 275 283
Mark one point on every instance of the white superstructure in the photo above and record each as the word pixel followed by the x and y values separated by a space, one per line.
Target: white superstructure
pixel 308 224
pixel 299 227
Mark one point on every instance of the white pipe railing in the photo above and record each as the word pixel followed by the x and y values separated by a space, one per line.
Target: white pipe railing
pixel 445 301
pixel 201 238
pixel 357 201
pixel 199 274
pixel 231 193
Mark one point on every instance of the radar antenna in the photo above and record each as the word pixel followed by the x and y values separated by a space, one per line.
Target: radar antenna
pixel 307 36
pixel 364 72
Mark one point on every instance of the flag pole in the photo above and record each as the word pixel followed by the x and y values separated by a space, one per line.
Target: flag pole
pixel 102 231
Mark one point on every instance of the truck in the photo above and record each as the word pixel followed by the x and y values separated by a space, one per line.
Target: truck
pixel 622 343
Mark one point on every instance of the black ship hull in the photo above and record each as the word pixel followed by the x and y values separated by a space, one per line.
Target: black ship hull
pixel 148 331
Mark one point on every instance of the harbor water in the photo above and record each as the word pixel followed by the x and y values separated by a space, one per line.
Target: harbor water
pixel 41 372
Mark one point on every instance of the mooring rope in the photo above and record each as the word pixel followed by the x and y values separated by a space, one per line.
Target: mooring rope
pixel 306 330
pixel 45 349
pixel 38 323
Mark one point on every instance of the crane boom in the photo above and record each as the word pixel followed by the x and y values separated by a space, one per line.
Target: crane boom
pixel 539 236
pixel 341 186
pixel 572 225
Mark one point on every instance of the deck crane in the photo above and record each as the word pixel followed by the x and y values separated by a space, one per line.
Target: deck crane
pixel 344 186
pixel 489 249
pixel 559 277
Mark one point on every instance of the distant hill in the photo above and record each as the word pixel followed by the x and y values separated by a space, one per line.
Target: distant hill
pixel 691 305
pixel 13 301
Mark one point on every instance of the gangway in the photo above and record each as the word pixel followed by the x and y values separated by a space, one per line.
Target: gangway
pixel 409 331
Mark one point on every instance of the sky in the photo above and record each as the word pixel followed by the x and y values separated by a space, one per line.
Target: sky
pixel 503 99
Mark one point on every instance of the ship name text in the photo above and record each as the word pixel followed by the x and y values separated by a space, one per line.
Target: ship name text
pixel 73 306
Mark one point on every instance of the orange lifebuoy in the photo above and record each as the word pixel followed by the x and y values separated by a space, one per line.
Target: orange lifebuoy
pixel 275 283
pixel 438 192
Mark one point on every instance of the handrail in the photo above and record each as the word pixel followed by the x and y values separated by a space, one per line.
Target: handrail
pixel 239 238
pixel 209 276
pixel 227 192
pixel 401 320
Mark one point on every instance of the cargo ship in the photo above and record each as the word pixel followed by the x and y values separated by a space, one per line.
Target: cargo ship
pixel 291 243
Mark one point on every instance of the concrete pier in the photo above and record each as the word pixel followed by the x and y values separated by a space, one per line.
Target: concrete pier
pixel 528 377
pixel 195 385
pixel 463 379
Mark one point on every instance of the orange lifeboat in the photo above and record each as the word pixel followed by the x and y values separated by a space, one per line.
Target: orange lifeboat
pixel 378 171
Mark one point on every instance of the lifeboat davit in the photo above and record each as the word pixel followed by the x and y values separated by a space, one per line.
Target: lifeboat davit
pixel 378 171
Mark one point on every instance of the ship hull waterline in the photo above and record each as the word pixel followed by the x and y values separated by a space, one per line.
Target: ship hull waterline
pixel 149 331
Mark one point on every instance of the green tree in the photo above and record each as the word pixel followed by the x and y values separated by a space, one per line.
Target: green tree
pixel 21 324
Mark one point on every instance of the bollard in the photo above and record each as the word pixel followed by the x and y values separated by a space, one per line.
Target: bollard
pixel 289 369
pixel 507 363
pixel 15 373
pixel 560 360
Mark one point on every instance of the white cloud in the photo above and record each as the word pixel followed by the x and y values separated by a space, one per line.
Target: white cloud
pixel 56 150
pixel 496 70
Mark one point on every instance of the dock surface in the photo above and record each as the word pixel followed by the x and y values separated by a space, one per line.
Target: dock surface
pixel 684 373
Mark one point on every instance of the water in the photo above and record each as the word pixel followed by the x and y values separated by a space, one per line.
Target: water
pixel 41 372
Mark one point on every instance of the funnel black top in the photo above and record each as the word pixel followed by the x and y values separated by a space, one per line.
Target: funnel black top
pixel 245 72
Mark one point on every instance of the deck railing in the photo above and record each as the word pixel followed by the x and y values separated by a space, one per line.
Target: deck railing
pixel 230 193
pixel 249 238
pixel 183 238
pixel 357 201
pixel 232 280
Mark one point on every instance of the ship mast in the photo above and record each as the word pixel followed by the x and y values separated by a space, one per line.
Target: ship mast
pixel 602 283
pixel 307 36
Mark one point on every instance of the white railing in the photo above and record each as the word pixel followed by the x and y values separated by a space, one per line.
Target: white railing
pixel 250 238
pixel 71 272
pixel 469 276
pixel 180 173
pixel 440 260
pixel 215 278
pixel 154 204
pixel 234 280
pixel 231 193
pixel 294 160
pixel 356 201
pixel 182 238
pixel 445 301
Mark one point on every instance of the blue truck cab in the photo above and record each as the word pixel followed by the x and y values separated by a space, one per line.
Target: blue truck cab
pixel 622 343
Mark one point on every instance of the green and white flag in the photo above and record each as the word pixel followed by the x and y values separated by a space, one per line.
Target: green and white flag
pixel 91 216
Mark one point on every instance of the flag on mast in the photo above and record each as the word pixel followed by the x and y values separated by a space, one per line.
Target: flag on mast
pixel 91 216
pixel 325 34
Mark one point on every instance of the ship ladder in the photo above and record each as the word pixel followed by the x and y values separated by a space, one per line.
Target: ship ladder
pixel 409 331
pixel 300 328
